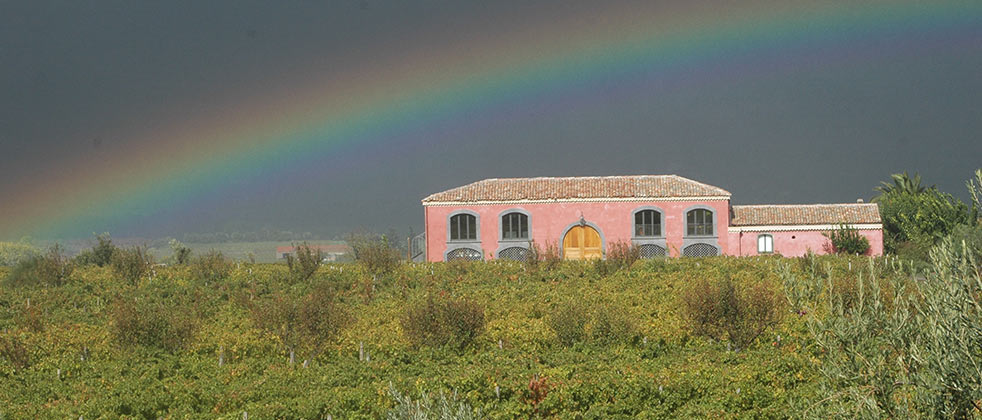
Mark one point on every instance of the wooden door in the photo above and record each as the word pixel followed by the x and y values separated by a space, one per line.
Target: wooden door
pixel 582 243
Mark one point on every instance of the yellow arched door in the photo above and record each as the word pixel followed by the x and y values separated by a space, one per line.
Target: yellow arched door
pixel 582 243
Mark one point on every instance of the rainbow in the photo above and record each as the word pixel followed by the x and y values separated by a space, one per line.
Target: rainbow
pixel 374 107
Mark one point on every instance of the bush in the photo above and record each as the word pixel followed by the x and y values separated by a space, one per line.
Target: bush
pixel 12 253
pixel 622 255
pixel 51 269
pixel 611 323
pixel 375 253
pixel 210 267
pixel 444 408
pixel 441 321
pixel 718 310
pixel 101 254
pixel 569 323
pixel 305 264
pixel 847 240
pixel 15 351
pixel 304 325
pixel 131 264
pixel 151 323
pixel 182 254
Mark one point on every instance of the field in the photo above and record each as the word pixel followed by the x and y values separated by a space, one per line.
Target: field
pixel 638 355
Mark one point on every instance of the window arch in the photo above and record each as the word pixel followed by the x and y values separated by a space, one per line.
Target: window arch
pixel 765 243
pixel 699 222
pixel 647 223
pixel 462 226
pixel 514 226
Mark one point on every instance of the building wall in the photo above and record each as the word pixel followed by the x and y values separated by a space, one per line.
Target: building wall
pixel 797 243
pixel 548 222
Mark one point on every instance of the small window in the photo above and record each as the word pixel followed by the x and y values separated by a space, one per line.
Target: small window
pixel 514 226
pixel 699 222
pixel 463 227
pixel 647 223
pixel 765 244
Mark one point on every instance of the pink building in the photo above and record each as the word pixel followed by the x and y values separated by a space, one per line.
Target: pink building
pixel 664 215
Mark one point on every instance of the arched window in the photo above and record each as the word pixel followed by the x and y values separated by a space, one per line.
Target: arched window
pixel 463 227
pixel 647 223
pixel 514 226
pixel 699 222
pixel 765 244
pixel 464 254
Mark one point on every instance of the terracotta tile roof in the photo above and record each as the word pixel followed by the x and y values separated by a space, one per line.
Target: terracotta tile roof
pixel 805 214
pixel 573 188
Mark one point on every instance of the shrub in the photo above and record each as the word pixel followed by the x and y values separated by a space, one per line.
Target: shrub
pixel 569 323
pixel 151 323
pixel 611 323
pixel 718 310
pixel 847 240
pixel 51 269
pixel 101 254
pixel 210 267
pixel 304 325
pixel 444 408
pixel 622 255
pixel 12 253
pixel 375 253
pixel 442 321
pixel 131 264
pixel 182 254
pixel 15 351
pixel 305 264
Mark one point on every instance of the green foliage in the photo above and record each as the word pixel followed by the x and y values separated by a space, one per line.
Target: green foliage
pixel 445 407
pixel 569 322
pixel 902 184
pixel 577 321
pixel 847 240
pixel 975 190
pixel 718 310
pixel 922 218
pixel 15 351
pixel 182 254
pixel 302 324
pixel 947 349
pixel 443 321
pixel 305 264
pixel 375 253
pixel 51 269
pixel 619 255
pixel 211 267
pixel 151 322
pixel 101 254
pixel 13 252
pixel 131 264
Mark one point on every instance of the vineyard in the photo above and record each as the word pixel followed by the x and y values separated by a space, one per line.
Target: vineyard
pixel 665 338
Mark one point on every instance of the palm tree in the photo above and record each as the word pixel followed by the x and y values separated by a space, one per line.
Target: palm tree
pixel 902 184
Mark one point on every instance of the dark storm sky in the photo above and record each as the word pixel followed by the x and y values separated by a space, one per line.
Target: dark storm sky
pixel 824 125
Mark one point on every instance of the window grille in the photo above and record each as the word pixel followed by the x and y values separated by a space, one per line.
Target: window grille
pixel 700 250
pixel 464 254
pixel 515 253
pixel 651 251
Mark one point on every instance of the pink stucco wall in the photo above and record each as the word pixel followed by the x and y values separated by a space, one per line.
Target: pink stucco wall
pixel 797 243
pixel 548 222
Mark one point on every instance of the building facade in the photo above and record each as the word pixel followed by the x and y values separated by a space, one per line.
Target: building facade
pixel 663 215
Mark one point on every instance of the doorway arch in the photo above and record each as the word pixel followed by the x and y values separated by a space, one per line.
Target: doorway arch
pixel 582 241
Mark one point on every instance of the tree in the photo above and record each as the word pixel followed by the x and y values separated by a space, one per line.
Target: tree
pixel 903 184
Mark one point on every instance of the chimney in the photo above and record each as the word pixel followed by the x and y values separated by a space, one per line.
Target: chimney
pixel 859 200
